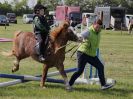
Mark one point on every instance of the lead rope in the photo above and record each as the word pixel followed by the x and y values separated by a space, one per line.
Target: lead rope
pixel 62 47
pixel 75 50
pixel 71 49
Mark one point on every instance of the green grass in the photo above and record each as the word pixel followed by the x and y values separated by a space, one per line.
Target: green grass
pixel 116 51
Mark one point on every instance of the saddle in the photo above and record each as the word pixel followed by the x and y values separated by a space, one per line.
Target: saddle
pixel 45 50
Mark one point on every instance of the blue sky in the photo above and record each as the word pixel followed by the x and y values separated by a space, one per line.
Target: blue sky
pixel 31 3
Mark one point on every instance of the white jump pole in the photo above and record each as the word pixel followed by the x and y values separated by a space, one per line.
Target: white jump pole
pixel 58 73
pixel 18 81
pixel 9 83
pixel 26 78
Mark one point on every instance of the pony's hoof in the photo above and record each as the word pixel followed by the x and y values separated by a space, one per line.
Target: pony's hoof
pixel 14 69
pixel 69 88
pixel 43 87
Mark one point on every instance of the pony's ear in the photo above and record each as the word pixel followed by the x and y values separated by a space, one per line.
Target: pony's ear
pixel 66 25
pixel 68 21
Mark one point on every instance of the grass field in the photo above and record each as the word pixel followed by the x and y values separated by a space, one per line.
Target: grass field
pixel 116 51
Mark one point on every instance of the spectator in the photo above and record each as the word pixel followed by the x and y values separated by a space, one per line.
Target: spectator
pixel 130 26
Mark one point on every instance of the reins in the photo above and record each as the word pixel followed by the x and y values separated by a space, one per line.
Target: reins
pixel 75 50
pixel 70 48
pixel 62 47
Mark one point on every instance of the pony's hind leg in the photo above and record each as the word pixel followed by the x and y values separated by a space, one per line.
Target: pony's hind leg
pixel 16 65
pixel 63 73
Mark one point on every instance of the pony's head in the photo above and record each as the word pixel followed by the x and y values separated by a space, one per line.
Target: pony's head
pixel 63 32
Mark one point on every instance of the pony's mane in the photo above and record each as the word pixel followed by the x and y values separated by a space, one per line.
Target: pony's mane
pixel 57 30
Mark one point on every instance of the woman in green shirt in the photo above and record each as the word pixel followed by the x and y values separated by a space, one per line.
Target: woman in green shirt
pixel 87 54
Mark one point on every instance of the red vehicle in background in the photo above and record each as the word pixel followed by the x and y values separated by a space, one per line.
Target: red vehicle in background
pixel 68 12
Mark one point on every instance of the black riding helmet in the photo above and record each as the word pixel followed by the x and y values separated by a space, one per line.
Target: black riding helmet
pixel 39 7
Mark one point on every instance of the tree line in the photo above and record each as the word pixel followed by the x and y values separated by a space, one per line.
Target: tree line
pixel 89 5
pixel 20 7
pixel 16 6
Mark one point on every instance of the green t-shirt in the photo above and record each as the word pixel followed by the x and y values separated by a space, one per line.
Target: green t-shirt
pixel 91 44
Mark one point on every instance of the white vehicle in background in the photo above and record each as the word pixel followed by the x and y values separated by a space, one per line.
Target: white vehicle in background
pixel 28 18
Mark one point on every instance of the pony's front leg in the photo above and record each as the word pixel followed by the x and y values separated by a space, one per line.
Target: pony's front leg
pixel 63 73
pixel 16 65
pixel 44 75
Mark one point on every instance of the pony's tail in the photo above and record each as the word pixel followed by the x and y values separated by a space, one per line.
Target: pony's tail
pixel 8 54
pixel 11 53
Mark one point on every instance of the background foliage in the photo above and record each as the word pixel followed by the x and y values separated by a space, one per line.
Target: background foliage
pixel 20 7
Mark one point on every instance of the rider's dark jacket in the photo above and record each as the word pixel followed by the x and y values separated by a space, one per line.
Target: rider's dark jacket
pixel 40 25
pixel 41 30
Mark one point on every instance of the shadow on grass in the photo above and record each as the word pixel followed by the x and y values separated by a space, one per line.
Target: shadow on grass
pixel 123 92
pixel 34 88
pixel 114 91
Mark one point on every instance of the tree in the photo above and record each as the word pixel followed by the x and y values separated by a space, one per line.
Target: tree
pixel 39 1
pixel 20 7
pixel 50 4
pixel 5 7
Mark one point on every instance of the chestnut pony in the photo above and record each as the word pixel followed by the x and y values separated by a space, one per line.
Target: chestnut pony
pixel 24 46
